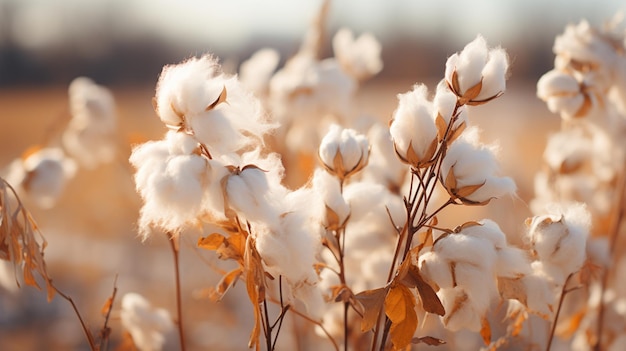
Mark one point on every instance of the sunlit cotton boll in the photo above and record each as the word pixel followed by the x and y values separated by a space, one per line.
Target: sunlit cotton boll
pixel 255 73
pixel 559 239
pixel 171 179
pixel 468 172
pixel 90 137
pixel 249 194
pixel 445 105
pixel 460 312
pixel 42 175
pixel 360 57
pixel 413 129
pixel 563 94
pixel 477 74
pixel 329 189
pixel 585 44
pixel 197 97
pixel 147 325
pixel 343 152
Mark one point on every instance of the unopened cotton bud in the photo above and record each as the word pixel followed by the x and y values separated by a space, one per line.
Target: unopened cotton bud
pixel 468 172
pixel 565 94
pixel 343 152
pixel 147 325
pixel 413 129
pixel 359 57
pixel 477 74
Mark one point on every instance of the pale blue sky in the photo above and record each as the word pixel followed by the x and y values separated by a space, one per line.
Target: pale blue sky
pixel 229 24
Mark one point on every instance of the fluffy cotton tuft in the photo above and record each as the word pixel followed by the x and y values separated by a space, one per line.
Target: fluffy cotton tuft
pixel 171 178
pixel 360 57
pixel 195 96
pixel 468 172
pixel 563 94
pixel 477 74
pixel 42 175
pixel 90 137
pixel 413 128
pixel 147 325
pixel 559 239
pixel 256 72
pixel 329 188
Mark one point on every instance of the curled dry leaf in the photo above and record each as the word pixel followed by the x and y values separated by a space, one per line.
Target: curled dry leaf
pixel 400 308
pixel 372 303
pixel 20 240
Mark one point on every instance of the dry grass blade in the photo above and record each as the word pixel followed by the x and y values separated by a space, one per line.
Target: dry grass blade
pixel 20 239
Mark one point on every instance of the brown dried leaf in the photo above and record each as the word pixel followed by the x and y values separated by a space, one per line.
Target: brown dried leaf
pixel 513 288
pixel 472 92
pixel 429 298
pixel 211 242
pixel 400 308
pixel 227 281
pixel 255 285
pixel 456 133
pixel 428 340
pixel 442 127
pixel 372 302
pixel 467 190
pixel 450 182
pixel 220 99
pixel 108 304
pixel 485 331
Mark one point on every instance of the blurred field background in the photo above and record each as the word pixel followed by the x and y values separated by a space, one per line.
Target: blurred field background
pixel 124 44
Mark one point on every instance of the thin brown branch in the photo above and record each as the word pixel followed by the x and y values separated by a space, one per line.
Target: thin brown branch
pixel 564 292
pixel 90 339
pixel 174 240
pixel 106 331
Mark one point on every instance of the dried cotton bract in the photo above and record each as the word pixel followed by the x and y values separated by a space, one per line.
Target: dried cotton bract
pixel 477 74
pixel 147 325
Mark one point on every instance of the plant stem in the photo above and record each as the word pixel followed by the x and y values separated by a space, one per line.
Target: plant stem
pixel 179 311
pixel 92 343
pixel 615 229
pixel 564 292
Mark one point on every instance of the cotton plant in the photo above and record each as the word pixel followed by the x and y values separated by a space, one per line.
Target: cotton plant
pixel 584 164
pixel 421 269
pixel 212 167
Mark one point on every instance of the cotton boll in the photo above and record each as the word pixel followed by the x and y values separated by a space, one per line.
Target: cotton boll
pixel 413 129
pixel 90 136
pixel 540 296
pixel 343 152
pixel 562 93
pixel 256 72
pixel 466 249
pixel 359 57
pixel 477 67
pixel 383 166
pixel 479 284
pixel 436 269
pixel 247 191
pixel 187 89
pixel 560 239
pixel 460 313
pixel 329 189
pixel 147 325
pixel 44 174
pixel 473 165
